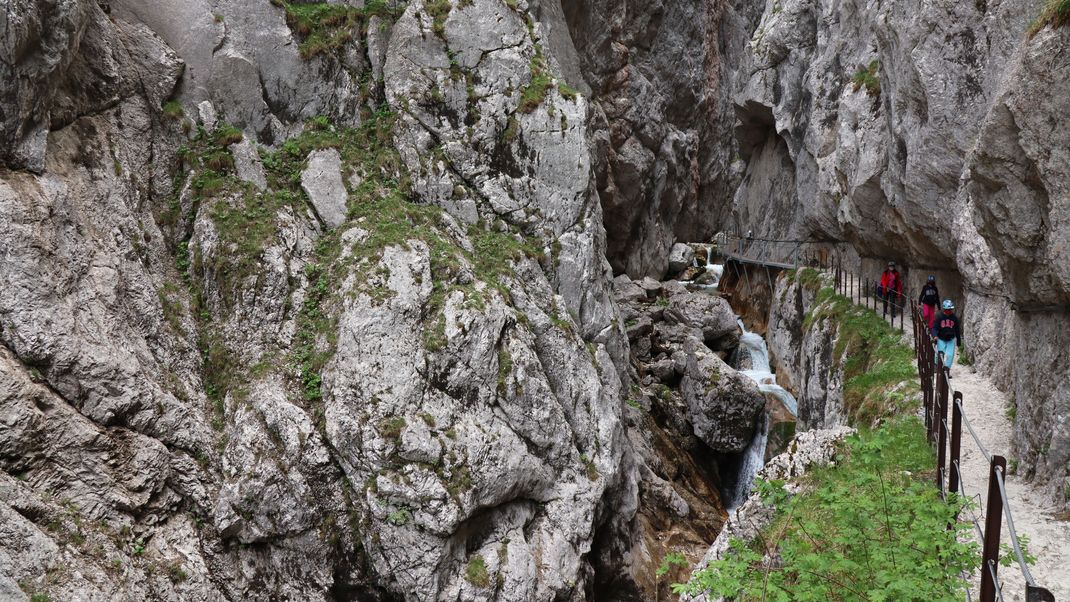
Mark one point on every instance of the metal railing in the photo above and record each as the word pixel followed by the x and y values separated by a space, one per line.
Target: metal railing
pixel 867 292
pixel 934 375
pixel 786 254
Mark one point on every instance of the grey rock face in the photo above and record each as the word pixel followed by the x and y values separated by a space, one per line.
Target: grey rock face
pixel 722 404
pixel 680 257
pixel 1011 248
pixel 661 75
pixel 322 182
pixel 805 359
pixel 465 439
pixel 38 44
pixel 846 137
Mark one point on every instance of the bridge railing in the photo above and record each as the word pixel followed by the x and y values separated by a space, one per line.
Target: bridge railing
pixel 787 254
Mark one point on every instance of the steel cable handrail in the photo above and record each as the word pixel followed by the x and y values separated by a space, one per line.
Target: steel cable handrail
pixel 1010 527
pixel 973 433
pixel 995 579
pixel 930 365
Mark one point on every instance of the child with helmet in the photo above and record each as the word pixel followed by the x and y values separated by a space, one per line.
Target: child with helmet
pixel 948 332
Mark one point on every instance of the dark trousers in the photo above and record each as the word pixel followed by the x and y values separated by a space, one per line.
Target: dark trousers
pixel 893 296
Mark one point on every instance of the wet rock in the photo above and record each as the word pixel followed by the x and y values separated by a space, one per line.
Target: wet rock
pixel 722 404
pixel 692 273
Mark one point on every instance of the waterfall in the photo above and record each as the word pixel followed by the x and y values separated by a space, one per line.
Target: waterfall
pixel 761 373
pixel 759 370
pixel 753 461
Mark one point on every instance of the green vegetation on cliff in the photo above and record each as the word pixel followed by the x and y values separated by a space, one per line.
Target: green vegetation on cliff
pixel 326 28
pixel 1055 14
pixel 879 371
pixel 867 78
pixel 872 527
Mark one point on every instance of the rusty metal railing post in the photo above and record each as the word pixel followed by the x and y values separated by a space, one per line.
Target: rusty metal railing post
pixel 941 433
pixel 954 477
pixel 993 518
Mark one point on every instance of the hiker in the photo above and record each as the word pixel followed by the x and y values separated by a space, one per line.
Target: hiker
pixel 948 333
pixel 929 299
pixel 891 287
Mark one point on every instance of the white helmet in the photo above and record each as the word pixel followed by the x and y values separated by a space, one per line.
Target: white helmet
pixel 948 304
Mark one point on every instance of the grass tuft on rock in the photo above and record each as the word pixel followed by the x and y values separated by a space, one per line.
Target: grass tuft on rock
pixel 325 28
pixel 541 82
pixel 868 78
pixel 1055 14
pixel 476 572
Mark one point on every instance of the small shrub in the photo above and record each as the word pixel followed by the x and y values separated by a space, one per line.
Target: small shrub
pixel 589 468
pixel 176 573
pixel 476 572
pixel 218 18
pixel 868 79
pixel 40 597
pixel 399 517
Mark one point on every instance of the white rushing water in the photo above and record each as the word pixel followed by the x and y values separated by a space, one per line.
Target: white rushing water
pixel 715 271
pixel 760 372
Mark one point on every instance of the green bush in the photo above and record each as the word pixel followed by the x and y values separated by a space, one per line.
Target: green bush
pixel 868 79
pixel 873 528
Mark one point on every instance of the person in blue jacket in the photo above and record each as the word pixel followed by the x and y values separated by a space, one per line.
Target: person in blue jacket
pixel 948 332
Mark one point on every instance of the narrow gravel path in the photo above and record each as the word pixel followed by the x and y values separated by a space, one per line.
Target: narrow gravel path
pixel 1049 538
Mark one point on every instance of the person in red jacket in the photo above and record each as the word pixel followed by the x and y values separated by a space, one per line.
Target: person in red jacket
pixel 891 288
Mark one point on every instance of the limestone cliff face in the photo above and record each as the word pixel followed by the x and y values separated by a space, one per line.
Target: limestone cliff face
pixel 661 75
pixel 927 133
pixel 238 362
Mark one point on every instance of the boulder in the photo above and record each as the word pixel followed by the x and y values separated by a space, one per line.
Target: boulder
pixel 722 404
pixel 681 256
pixel 709 313
pixel 322 182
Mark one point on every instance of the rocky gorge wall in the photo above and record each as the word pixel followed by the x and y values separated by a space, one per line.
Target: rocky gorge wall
pixel 916 132
pixel 239 362
pixel 311 301
pixel 316 301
